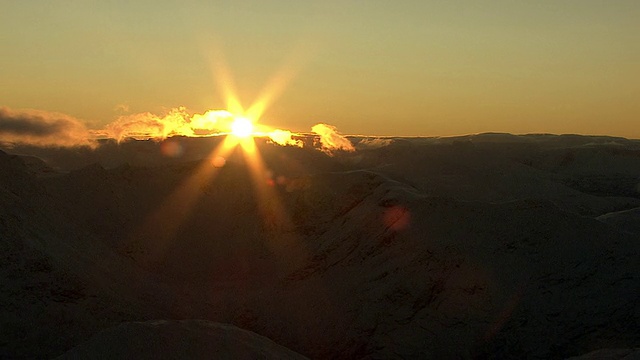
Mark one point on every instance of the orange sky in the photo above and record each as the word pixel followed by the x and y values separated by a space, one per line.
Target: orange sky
pixel 420 68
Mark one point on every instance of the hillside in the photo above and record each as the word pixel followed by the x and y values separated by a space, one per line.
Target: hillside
pixel 484 246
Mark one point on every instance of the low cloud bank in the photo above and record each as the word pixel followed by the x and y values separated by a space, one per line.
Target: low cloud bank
pixel 374 143
pixel 47 129
pixel 330 140
pixel 284 138
pixel 41 128
pixel 176 122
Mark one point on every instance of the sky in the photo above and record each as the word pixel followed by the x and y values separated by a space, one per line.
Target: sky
pixel 394 68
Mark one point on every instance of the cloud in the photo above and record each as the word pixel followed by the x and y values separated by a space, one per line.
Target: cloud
pixel 211 122
pixel 284 138
pixel 42 128
pixel 330 140
pixel 176 122
pixel 374 143
pixel 147 125
pixel 121 108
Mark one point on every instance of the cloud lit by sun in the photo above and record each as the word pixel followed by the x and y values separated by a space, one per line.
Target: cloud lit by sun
pixel 284 138
pixel 238 123
pixel 41 128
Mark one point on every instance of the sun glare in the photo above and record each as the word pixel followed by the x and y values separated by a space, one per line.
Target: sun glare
pixel 242 127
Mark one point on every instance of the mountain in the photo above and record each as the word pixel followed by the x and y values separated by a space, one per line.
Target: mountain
pixel 482 246
pixel 185 339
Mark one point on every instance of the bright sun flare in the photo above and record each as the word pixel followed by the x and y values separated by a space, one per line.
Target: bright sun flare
pixel 242 127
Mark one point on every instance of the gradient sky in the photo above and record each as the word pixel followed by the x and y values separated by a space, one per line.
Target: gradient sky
pixel 375 67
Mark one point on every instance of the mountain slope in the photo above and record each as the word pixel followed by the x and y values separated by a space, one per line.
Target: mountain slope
pixel 479 247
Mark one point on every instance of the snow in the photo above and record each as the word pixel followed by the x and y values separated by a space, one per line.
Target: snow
pixel 610 354
pixel 185 339
pixel 489 245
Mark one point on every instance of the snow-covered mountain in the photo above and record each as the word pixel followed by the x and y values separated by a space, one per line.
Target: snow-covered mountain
pixel 184 339
pixel 485 246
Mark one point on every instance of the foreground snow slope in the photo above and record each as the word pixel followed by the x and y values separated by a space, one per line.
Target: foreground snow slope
pixel 476 247
pixel 185 339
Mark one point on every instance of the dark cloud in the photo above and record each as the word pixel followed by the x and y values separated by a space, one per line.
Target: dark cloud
pixel 41 128
pixel 21 124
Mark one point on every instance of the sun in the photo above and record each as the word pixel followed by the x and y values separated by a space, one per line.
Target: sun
pixel 242 127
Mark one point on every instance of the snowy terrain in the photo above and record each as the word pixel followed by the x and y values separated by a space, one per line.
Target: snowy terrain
pixel 482 246
pixel 186 339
